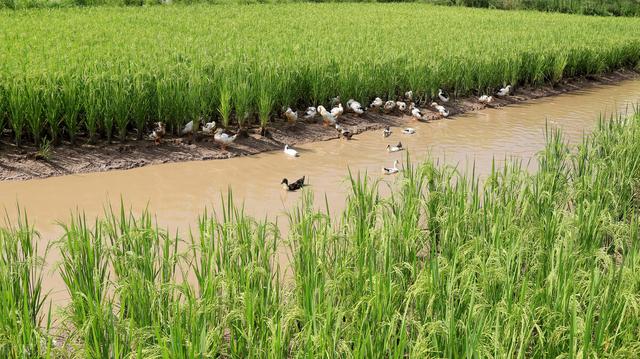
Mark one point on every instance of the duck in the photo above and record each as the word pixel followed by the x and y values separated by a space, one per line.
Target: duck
pixel 377 103
pixel 401 105
pixel 416 113
pixel 389 106
pixel 408 96
pixel 209 126
pixel 386 132
pixel 158 133
pixel 485 99
pixel 223 138
pixel 291 116
pixel 188 128
pixel 290 151
pixel 504 91
pixel 441 109
pixel 395 148
pixel 408 131
pixel 391 170
pixel 443 96
pixel 327 117
pixel 344 132
pixel 338 110
pixel 310 113
pixel 335 101
pixel 355 106
pixel 292 186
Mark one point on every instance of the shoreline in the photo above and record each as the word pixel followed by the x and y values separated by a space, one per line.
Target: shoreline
pixel 21 164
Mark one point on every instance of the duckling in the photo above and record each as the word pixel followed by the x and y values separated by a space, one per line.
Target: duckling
pixel 441 109
pixel 291 116
pixel 344 132
pixel 188 128
pixel 223 138
pixel 158 133
pixel 310 113
pixel 290 151
pixel 401 105
pixel 377 103
pixel 355 106
pixel 408 131
pixel 386 132
pixel 328 118
pixel 443 96
pixel 485 99
pixel 504 91
pixel 209 126
pixel 389 106
pixel 292 186
pixel 338 110
pixel 408 96
pixel 391 170
pixel 395 148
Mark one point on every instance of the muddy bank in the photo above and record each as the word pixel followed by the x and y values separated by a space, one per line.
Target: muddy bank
pixel 22 163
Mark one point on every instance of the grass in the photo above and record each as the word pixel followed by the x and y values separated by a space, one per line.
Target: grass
pixel 518 265
pixel 109 73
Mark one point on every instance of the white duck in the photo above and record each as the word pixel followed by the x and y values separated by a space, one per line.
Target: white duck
pixel 504 91
pixel 355 106
pixel 441 109
pixel 377 102
pixel 408 95
pixel 310 113
pixel 188 128
pixel 401 105
pixel 389 106
pixel 443 96
pixel 485 99
pixel 290 151
pixel 291 116
pixel 209 126
pixel 395 148
pixel 223 138
pixel 391 170
pixel 327 117
pixel 416 113
pixel 338 110
pixel 409 131
pixel 386 132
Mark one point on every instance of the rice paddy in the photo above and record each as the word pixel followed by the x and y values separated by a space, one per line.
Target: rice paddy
pixel 106 74
pixel 518 265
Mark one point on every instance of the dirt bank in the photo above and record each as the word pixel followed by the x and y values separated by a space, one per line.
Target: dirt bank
pixel 22 163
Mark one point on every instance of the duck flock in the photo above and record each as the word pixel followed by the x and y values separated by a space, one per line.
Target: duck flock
pixel 331 118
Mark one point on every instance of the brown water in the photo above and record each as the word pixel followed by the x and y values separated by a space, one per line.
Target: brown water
pixel 177 193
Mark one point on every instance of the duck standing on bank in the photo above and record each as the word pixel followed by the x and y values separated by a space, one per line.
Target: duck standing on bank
pixel 291 116
pixel 328 118
pixel 389 106
pixel 377 103
pixel 337 111
pixel 401 105
pixel 355 107
pixel 416 113
pixel 504 91
pixel 408 96
pixel 223 138
pixel 311 113
pixel 158 133
pixel 443 96
pixel 187 129
pixel 441 109
pixel 209 127
pixel 485 99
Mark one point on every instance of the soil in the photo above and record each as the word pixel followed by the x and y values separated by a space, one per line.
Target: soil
pixel 22 163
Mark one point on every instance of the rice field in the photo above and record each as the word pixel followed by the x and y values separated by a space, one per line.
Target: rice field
pixel 522 264
pixel 108 73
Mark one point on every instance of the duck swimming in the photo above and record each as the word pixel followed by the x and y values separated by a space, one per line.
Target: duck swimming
pixel 443 96
pixel 292 186
pixel 391 170
pixel 386 132
pixel 290 151
pixel 344 132
pixel 408 131
pixel 223 138
pixel 504 91
pixel 395 148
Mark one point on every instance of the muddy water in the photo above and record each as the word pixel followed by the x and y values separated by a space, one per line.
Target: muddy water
pixel 177 193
